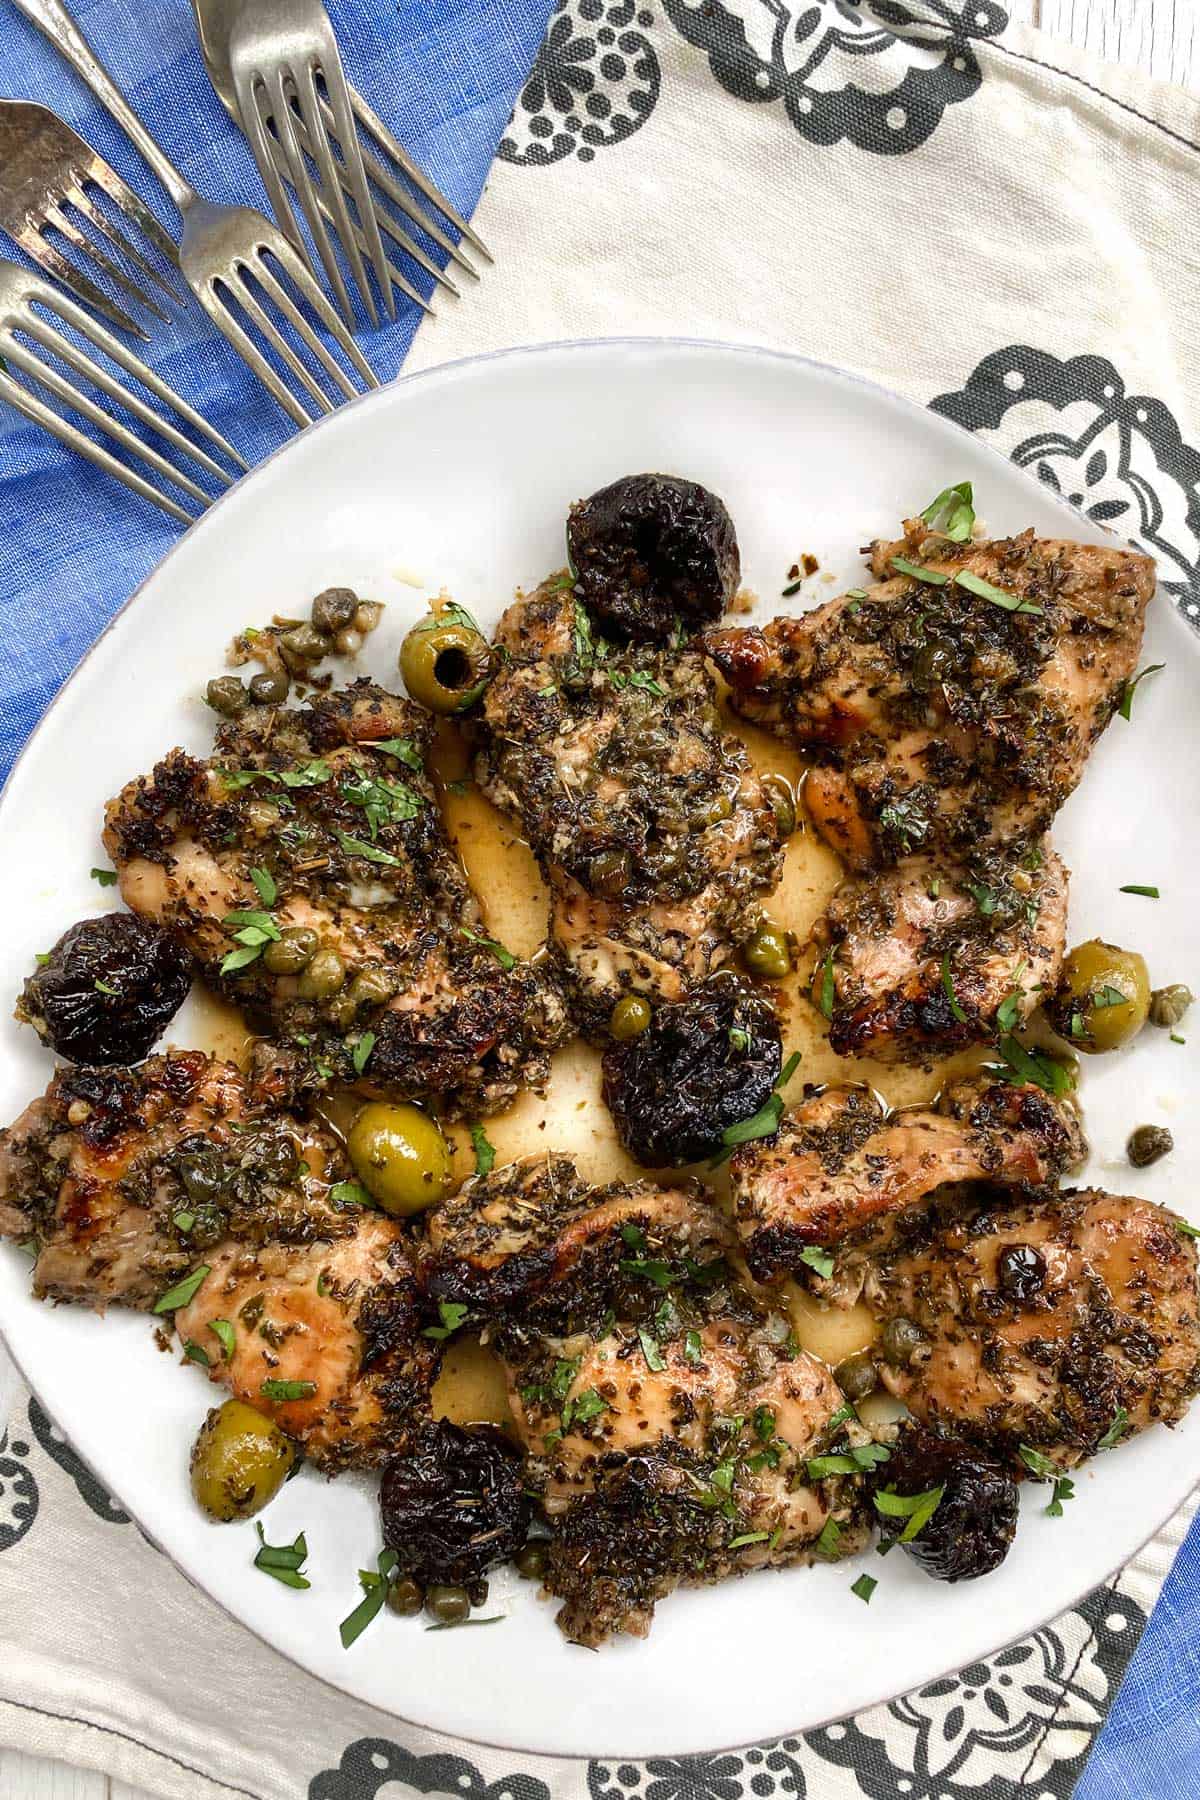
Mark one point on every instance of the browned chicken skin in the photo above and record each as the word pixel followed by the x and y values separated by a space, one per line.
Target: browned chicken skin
pixel 941 719
pixel 649 822
pixel 840 1173
pixel 331 805
pixel 918 960
pixel 1053 1324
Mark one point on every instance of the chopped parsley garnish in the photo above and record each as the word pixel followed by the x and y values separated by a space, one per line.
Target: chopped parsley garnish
pixel 1176 1039
pixel 1147 893
pixel 1037 1462
pixel 748 1537
pixel 251 929
pixel 375 1587
pixel 264 883
pixel 1107 996
pixel 183 1221
pixel 1064 1489
pixel 361 1053
pixel 842 1416
pixel 452 1313
pixel 986 590
pixel 829 1542
pixel 763 1421
pixel 383 802
pixel 985 898
pixel 464 1624
pixel 766 1120
pixel 917 1509
pixel 846 1462
pixel 739 1040
pixel 952 512
pixel 948 989
pixel 404 749
pixel 856 593
pixel 224 1332
pixel 448 612
pixel 184 1291
pixel 485 1150
pixel 918 572
pixel 106 877
pixel 41 958
pixel 693 1350
pixel 813 1257
pixel 651 1350
pixel 828 988
pixel 864 1587
pixel 1188 1230
pixel 349 1193
pixel 793 587
pixel 102 987
pixel 194 1352
pixel 1009 1007
pixel 1022 1065
pixel 354 846
pixel 271 1389
pixel 1130 689
pixel 905 821
pixel 1116 1431
pixel 639 678
pixel 583 1409
pixel 649 1270
pixel 504 957
pixel 283 1561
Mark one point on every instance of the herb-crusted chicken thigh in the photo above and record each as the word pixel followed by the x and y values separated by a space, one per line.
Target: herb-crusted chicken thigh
pixel 649 822
pixel 955 701
pixel 306 867
pixel 667 1418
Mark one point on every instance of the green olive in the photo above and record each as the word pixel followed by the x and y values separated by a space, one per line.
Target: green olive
pixel 323 977
pixel 1103 997
pixel 630 1017
pixel 1148 1144
pixel 406 1596
pixel 856 1375
pixel 294 951
pixel 270 688
pixel 900 1340
pixel 227 696
pixel 768 953
pixel 239 1461
pixel 400 1156
pixel 448 1605
pixel 531 1560
pixel 444 667
pixel 333 610
pixel 782 801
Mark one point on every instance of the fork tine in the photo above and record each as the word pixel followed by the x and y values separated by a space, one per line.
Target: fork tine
pixel 84 365
pixel 370 119
pixel 311 291
pixel 304 330
pixel 401 198
pixel 80 198
pixel 281 112
pixel 250 304
pixel 348 179
pixel 272 164
pixel 135 210
pixel 56 264
pixel 61 221
pixel 250 353
pixel 133 365
pixel 36 410
pixel 411 248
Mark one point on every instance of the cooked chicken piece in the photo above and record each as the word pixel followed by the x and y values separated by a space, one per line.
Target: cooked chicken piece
pixel 841 1174
pixel 942 717
pixel 666 1415
pixel 1060 1325
pixel 315 834
pixel 128 1181
pixel 931 955
pixel 649 822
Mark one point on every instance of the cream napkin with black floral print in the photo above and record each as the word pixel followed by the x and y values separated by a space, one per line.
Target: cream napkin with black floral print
pixel 998 227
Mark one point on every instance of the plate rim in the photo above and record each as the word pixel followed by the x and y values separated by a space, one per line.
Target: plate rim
pixel 453 368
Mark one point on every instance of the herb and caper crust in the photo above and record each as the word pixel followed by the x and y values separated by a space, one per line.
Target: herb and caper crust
pixel 651 826
pixel 306 866
pixel 943 717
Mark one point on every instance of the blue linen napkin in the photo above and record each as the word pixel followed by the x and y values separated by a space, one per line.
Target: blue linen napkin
pixel 442 73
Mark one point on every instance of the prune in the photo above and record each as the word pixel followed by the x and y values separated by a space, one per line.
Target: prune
pixel 454 1504
pixel 701 1065
pixel 108 989
pixel 974 1523
pixel 650 550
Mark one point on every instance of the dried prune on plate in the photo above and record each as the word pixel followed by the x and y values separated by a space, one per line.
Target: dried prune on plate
pixel 974 1522
pixel 651 550
pixel 701 1065
pixel 107 990
pixel 454 1504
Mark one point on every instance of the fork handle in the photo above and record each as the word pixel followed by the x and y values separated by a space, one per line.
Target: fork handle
pixel 55 22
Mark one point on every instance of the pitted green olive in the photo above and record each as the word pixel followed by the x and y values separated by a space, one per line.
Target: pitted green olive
pixel 1103 997
pixel 239 1461
pixel 400 1156
pixel 445 667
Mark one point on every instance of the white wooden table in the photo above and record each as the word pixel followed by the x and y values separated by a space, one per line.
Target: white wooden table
pixel 1160 36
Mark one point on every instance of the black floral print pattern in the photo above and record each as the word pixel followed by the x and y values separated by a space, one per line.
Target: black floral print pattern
pixel 369 1764
pixel 18 1491
pixel 596 79
pixel 58 1450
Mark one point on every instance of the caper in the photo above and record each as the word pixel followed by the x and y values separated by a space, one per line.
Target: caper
pixel 768 953
pixel 270 688
pixel 334 609
pixel 609 872
pixel 304 643
pixel 530 1560
pixel 372 987
pixel 900 1340
pixel 367 616
pixel 293 952
pixel 448 1605
pixel 239 1461
pixel 273 1157
pixel 1147 1144
pixel 348 642
pixel 400 1156
pixel 933 662
pixel 227 696
pixel 630 1017
pixel 202 1175
pixel 444 667
pixel 324 976
pixel 406 1596
pixel 718 809
pixel 1168 1005
pixel 777 791
pixel 1102 998
pixel 341 1012
pixel 856 1375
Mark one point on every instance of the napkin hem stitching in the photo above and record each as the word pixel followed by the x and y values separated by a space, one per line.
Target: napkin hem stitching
pixel 1124 105
pixel 44 1712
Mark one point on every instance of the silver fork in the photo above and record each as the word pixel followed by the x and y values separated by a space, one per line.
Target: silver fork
pixel 217 21
pixel 223 245
pixel 24 332
pixel 46 172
